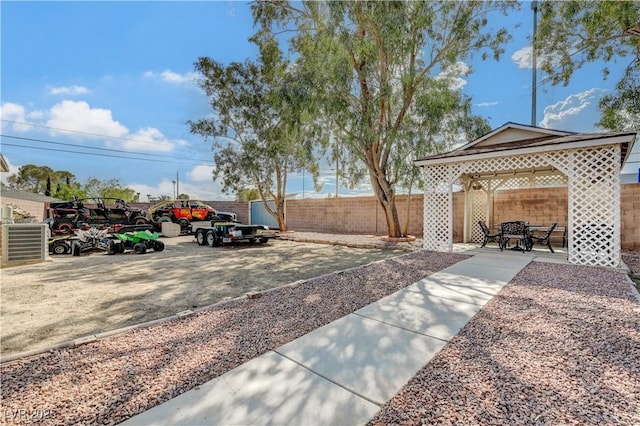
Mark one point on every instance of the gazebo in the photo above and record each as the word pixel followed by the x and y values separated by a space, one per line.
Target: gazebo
pixel 520 156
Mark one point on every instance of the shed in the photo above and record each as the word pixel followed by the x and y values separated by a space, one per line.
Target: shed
pixel 35 204
pixel 520 156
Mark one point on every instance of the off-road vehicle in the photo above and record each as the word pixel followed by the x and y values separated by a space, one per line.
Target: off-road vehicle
pixel 65 217
pixel 182 212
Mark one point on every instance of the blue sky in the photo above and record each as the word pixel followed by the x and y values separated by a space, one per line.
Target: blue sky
pixel 119 76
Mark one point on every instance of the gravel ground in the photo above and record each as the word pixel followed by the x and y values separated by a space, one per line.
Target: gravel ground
pixel 108 381
pixel 559 345
pixel 632 260
pixel 54 302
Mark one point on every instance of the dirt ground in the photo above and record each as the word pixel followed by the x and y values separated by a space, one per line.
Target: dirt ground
pixel 71 297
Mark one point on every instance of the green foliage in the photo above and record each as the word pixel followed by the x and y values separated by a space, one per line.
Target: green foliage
pixel 262 127
pixel 43 179
pixel 574 33
pixel 109 189
pixel 247 194
pixel 378 71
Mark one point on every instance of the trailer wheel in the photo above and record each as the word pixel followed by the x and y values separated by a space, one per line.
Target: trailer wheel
pixel 201 237
pixel 158 246
pixel 212 239
pixel 263 240
pixel 139 248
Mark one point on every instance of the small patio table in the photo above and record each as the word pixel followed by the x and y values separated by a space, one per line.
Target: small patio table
pixel 516 230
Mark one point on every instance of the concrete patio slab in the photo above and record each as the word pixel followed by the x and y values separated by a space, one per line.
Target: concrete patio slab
pixel 459 288
pixel 488 271
pixel 421 312
pixel 268 390
pixel 367 357
pixel 500 259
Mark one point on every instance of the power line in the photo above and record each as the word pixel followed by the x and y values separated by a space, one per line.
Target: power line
pixel 172 158
pixel 90 153
pixel 78 132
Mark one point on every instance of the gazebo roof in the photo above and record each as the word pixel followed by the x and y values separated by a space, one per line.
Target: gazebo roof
pixel 514 139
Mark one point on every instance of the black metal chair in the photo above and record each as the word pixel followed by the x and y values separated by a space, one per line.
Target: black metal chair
pixel 518 231
pixel 546 237
pixel 488 236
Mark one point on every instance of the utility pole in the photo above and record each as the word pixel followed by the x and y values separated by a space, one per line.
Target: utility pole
pixel 177 185
pixel 534 83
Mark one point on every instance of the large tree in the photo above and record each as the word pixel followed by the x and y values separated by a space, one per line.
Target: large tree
pixel 261 128
pixel 573 33
pixel 111 188
pixel 380 72
pixel 40 179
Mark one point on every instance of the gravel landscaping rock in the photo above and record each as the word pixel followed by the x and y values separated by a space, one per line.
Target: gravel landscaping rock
pixel 72 297
pixel 110 380
pixel 559 345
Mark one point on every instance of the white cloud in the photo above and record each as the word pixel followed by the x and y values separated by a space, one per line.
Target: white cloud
pixel 578 112
pixel 69 90
pixel 80 117
pixel 523 58
pixel 147 139
pixel 486 104
pixel 13 112
pixel 201 174
pixel 171 77
pixel 453 72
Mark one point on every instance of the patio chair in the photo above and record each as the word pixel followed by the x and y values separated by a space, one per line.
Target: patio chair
pixel 546 237
pixel 518 231
pixel 488 236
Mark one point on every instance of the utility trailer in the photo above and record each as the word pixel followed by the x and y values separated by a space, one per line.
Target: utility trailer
pixel 231 232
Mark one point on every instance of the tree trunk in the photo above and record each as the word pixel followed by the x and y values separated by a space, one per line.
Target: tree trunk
pixel 387 199
pixel 282 224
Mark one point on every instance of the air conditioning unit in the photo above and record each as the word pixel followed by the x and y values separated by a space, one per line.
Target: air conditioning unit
pixel 24 243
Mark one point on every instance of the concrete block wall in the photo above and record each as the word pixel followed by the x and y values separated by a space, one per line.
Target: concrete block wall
pixel 542 206
pixel 630 216
pixel 539 206
pixel 241 208
pixel 35 208
pixel 351 215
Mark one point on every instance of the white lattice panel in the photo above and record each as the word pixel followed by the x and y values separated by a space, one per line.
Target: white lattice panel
pixel 438 200
pixel 594 207
pixel 593 177
pixel 550 180
pixel 479 211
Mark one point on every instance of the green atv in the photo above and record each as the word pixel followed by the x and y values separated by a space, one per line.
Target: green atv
pixel 138 240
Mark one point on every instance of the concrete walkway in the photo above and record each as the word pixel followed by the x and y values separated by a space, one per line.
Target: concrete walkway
pixel 343 372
